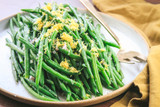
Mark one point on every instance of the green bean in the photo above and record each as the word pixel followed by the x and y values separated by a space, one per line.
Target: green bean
pixel 63 78
pixel 111 71
pixel 85 37
pixel 30 90
pixel 26 56
pixel 46 48
pixel 86 62
pixel 77 79
pixel 19 56
pixel 101 69
pixel 74 64
pixel 53 78
pixel 98 28
pixel 66 90
pixel 56 56
pixel 13 38
pixel 34 34
pixel 15 21
pixel 11 27
pixel 69 81
pixel 65 15
pixel 61 56
pixel 99 41
pixel 110 44
pixel 47 12
pixel 85 82
pixel 69 54
pixel 92 43
pixel 16 64
pixel 39 64
pixel 69 95
pixel 27 21
pixel 73 10
pixel 32 73
pixel 82 29
pixel 57 66
pixel 51 83
pixel 14 47
pixel 47 17
pixel 86 73
pixel 42 78
pixel 52 38
pixel 31 11
pixel 105 85
pixel 76 96
pixel 72 99
pixel 76 90
pixel 40 93
pixel 32 15
pixel 116 73
pixel 70 32
pixel 62 85
pixel 84 56
pixel 85 25
pixel 121 73
pixel 90 27
pixel 118 80
pixel 93 87
pixel 50 62
pixel 26 62
pixel 28 44
pixel 41 89
pixel 15 74
pixel 40 37
pixel 60 76
pixel 106 77
pixel 35 54
pixel 117 64
pixel 52 92
pixel 96 74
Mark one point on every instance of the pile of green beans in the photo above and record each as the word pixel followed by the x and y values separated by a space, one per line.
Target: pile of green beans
pixel 57 50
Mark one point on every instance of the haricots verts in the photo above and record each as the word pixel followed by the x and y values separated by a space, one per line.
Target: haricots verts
pixel 58 50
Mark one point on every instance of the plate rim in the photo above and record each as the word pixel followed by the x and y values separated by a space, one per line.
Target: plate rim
pixel 87 102
pixel 142 34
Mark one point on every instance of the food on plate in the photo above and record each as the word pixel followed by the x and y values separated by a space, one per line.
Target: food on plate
pixel 56 49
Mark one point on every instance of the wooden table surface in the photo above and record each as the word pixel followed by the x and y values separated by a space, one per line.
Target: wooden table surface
pixel 14 7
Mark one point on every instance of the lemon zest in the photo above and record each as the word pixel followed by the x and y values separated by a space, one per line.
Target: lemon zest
pixel 64 64
pixel 73 70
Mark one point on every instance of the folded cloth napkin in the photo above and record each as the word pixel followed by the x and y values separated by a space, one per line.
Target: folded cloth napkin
pixel 145 16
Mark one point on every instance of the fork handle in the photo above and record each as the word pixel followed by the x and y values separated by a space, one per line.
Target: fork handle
pixel 93 11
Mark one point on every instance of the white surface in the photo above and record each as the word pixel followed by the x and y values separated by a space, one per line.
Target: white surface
pixel 132 40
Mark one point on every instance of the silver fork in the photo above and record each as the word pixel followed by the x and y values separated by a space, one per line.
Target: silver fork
pixel 123 55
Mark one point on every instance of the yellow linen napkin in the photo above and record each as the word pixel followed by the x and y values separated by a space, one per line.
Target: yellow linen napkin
pixel 145 16
pixel 140 13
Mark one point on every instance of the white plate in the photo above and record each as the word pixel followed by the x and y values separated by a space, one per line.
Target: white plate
pixel 132 40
